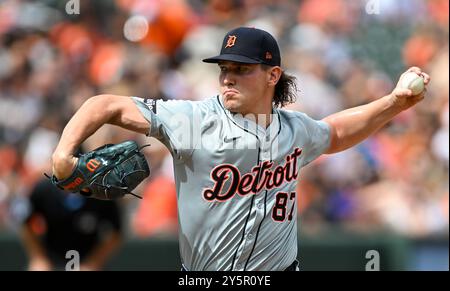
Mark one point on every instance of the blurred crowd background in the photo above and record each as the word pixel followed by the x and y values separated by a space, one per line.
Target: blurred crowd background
pixel 343 53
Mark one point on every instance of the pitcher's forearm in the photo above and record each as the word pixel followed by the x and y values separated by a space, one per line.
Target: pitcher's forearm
pixel 88 119
pixel 353 125
pixel 93 114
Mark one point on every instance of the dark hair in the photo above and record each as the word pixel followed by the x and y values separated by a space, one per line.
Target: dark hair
pixel 285 90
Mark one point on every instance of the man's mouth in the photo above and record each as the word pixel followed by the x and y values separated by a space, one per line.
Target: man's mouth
pixel 230 92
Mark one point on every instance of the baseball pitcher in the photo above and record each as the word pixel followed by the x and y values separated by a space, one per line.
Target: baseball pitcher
pixel 237 156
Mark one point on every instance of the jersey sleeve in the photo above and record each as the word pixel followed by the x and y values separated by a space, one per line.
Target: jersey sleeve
pixel 318 138
pixel 171 122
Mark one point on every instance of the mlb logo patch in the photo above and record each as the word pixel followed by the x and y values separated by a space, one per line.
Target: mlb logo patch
pixel 151 104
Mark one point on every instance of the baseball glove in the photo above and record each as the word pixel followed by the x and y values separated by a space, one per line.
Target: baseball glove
pixel 108 172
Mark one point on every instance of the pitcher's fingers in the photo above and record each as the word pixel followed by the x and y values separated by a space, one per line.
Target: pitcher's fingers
pixel 416 70
pixel 426 78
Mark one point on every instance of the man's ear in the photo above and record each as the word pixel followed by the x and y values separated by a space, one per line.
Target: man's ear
pixel 274 75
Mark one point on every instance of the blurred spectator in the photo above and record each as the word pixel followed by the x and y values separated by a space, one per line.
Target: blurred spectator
pixel 157 213
pixel 58 222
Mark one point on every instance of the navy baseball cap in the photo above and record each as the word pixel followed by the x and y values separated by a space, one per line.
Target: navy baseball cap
pixel 250 46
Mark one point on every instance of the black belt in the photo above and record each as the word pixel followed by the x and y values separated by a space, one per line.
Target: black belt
pixel 292 267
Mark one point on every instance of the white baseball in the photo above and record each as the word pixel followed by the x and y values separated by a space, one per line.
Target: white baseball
pixel 413 82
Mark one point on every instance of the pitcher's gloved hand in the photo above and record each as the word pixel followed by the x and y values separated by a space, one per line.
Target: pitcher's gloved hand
pixel 108 172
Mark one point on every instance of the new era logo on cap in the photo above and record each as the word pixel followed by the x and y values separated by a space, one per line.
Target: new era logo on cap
pixel 248 45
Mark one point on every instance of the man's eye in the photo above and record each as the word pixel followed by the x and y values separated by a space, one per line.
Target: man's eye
pixel 243 69
pixel 223 69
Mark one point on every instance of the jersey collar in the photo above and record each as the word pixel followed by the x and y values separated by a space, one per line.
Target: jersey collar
pixel 264 134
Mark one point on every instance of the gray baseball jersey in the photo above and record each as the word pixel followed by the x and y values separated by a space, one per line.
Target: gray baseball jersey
pixel 236 181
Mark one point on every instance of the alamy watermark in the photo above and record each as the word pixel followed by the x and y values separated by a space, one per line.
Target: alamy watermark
pixel 191 131
pixel 73 263
pixel 373 7
pixel 374 260
pixel 73 7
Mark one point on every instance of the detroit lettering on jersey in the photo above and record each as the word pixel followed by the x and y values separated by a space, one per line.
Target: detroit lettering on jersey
pixel 261 176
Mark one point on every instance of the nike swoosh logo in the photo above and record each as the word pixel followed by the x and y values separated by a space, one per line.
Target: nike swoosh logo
pixel 230 139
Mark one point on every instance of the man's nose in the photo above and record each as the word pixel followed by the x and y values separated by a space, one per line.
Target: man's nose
pixel 229 79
